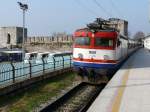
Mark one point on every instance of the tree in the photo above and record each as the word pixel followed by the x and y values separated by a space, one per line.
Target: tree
pixel 139 35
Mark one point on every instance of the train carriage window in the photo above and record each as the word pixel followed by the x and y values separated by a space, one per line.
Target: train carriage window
pixel 104 42
pixel 85 41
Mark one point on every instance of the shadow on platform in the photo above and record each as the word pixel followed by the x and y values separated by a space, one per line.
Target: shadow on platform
pixel 140 59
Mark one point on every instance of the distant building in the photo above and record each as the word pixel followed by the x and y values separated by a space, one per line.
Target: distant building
pixel 11 36
pixel 146 41
pixel 120 25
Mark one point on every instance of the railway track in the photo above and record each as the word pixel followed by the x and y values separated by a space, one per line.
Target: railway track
pixel 77 99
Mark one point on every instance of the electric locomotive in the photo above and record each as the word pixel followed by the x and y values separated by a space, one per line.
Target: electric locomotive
pixel 99 49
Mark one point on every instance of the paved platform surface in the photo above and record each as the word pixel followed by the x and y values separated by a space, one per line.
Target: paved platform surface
pixel 129 89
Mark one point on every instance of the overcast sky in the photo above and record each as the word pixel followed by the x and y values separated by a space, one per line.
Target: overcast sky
pixel 47 16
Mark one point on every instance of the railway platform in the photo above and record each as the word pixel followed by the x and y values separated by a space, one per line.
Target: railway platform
pixel 129 89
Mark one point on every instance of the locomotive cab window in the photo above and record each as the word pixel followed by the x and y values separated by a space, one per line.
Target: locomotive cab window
pixel 104 42
pixel 83 41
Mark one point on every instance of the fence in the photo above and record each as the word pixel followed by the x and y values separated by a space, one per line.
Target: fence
pixel 13 72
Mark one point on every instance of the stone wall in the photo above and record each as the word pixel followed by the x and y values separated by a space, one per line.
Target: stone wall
pixel 50 39
pixel 49 43
pixel 11 36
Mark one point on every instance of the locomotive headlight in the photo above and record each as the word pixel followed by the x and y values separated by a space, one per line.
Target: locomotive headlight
pixel 80 56
pixel 106 57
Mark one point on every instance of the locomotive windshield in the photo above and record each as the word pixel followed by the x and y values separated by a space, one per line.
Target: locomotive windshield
pixel 83 41
pixel 104 42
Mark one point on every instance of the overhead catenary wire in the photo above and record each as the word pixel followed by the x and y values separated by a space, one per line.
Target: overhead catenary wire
pixel 101 7
pixel 96 2
pixel 116 8
pixel 120 14
pixel 86 8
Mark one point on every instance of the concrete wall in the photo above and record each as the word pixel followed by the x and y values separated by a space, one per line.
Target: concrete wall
pixel 120 25
pixel 14 33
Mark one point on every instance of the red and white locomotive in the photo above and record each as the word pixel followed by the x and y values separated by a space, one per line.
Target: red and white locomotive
pixel 99 50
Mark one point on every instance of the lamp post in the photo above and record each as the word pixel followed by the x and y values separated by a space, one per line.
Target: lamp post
pixel 24 8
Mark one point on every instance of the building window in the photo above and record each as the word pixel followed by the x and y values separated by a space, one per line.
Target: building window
pixel 8 38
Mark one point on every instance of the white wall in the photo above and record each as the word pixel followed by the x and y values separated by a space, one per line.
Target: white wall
pixel 147 42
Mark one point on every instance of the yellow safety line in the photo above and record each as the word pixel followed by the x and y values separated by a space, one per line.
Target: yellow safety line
pixel 118 98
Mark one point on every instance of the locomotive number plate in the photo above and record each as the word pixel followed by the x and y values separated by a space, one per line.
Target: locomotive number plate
pixel 92 52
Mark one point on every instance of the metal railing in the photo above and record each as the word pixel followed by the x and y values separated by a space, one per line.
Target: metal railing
pixel 17 71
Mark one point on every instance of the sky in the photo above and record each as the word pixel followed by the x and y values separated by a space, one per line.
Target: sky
pixel 45 17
